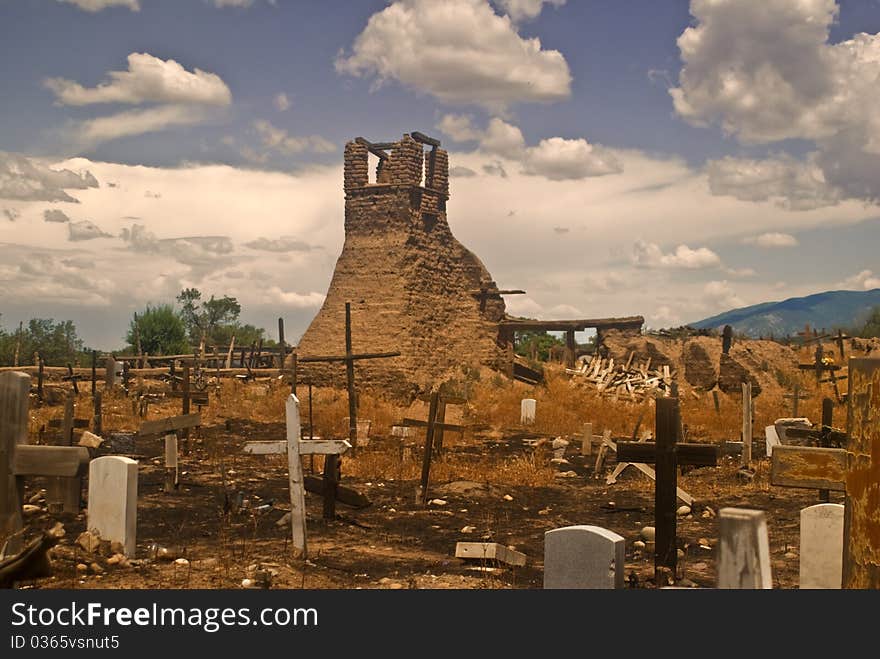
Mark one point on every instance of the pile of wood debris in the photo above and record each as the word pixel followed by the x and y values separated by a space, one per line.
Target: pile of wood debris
pixel 624 380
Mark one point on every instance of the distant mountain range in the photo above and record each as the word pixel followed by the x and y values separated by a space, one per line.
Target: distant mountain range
pixel 829 310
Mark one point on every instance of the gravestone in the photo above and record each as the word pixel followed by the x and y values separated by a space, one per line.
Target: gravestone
pixel 771 439
pixel 113 500
pixel 583 557
pixel 744 560
pixel 527 410
pixel 822 546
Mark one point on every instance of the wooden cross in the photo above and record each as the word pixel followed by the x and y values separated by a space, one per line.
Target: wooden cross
pixel 295 447
pixel 19 459
pixel 431 426
pixel 349 359
pixel 490 290
pixel 795 396
pixel 667 455
pixel 73 379
pixel 839 340
pixel 854 470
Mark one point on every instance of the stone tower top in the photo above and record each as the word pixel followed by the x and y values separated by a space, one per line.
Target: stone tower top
pixel 415 160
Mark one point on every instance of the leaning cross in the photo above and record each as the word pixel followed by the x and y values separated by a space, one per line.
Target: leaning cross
pixel 295 447
pixel 19 459
pixel 432 425
pixel 667 455
pixel 854 470
pixel 795 396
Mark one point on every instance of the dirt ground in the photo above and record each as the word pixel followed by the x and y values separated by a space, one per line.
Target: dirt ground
pixel 395 543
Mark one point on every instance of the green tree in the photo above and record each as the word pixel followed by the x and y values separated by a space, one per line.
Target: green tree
pixel 540 339
pixel 57 343
pixel 871 327
pixel 204 318
pixel 161 330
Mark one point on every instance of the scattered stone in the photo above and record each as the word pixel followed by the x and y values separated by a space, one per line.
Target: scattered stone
pixel 745 474
pixel 82 567
pixel 638 544
pixel 30 509
pixel 247 583
pixel 468 529
pixel 544 511
pixel 284 521
pixel 679 553
pixel 507 497
pixel 96 569
pixel 115 559
pixel 567 474
pixel 683 510
pixel 89 541
pixel 90 440
pixel 438 502
pixel 790 555
pixel 384 580
pixel 395 586
pixel 39 496
pixel 687 583
pixel 181 562
pixel 559 461
pixel 117 547
pixel 648 533
pixel 559 443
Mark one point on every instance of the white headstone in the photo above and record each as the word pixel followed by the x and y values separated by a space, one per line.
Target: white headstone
pixel 822 546
pixel 744 560
pixel 401 431
pixel 771 438
pixel 527 410
pixel 583 557
pixel 113 500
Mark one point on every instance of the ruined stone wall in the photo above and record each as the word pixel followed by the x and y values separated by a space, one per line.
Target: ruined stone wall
pixel 409 281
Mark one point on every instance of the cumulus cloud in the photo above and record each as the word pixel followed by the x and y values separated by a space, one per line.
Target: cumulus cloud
pixel 277 139
pixel 720 295
pixel 495 169
pixel 85 230
pixel 525 10
pixel 281 102
pixel 294 299
pixel 604 281
pixel 864 280
pixel 772 239
pixel 793 184
pixel 560 159
pixel 11 214
pixel 42 275
pixel 459 127
pixel 136 122
pixel 649 255
pixel 463 172
pixel 147 80
pixel 97 5
pixel 27 179
pixel 503 139
pixel 282 244
pixel 55 215
pixel 767 71
pixel 460 52
pixel 203 253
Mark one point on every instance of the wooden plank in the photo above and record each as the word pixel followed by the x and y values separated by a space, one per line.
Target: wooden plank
pixel 628 322
pixel 60 461
pixel 490 551
pixel 14 391
pixel 295 476
pixel 324 446
pixel 424 139
pixel 686 454
pixel 163 426
pixel 808 467
pixel 342 358
pixel 272 447
pixel 746 423
pixel 345 495
pixel 424 424
pixel 667 426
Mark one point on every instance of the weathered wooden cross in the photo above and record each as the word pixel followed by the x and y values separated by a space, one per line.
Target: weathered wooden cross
pixel 170 427
pixel 73 379
pixel 19 459
pixel 431 426
pixel 295 447
pixel 666 454
pixel 795 396
pixel 854 470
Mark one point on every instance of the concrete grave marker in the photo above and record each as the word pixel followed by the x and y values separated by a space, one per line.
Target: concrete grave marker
pixel 113 500
pixel 822 546
pixel 744 561
pixel 583 557
pixel 771 438
pixel 527 410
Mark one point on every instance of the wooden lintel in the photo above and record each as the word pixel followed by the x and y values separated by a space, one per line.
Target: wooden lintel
pixel 424 139
pixel 65 461
pixel 522 324
pixel 372 148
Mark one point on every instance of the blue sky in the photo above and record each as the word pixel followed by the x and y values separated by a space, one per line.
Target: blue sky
pixel 665 158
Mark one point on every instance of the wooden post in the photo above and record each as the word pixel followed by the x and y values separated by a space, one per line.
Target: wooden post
pixel 587 441
pixel 170 462
pixel 827 418
pixel 295 475
pixel 839 340
pixel 747 423
pixel 94 372
pixel 184 433
pixel 726 339
pixel 281 349
pixel 441 419
pixel 40 379
pixel 794 403
pixel 668 422
pixel 293 378
pixel 98 420
pixel 17 343
pixel 570 348
pixel 229 353
pixel 14 390
pixel 64 493
pixel 429 441
pixel 137 341
pixel 73 378
pixel 715 400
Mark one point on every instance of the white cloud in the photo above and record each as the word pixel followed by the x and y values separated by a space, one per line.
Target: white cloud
pixel 135 122
pixel 232 3
pixel 663 316
pixel 11 214
pixel 561 159
pixel 464 172
pixel 97 5
pixel 459 51
pixel 766 71
pixel 741 273
pixel 277 139
pixel 605 281
pixel 649 255
pixel 28 179
pixel 283 244
pixel 281 102
pixel 865 280
pixel 523 306
pixel 720 295
pixel 147 80
pixel 525 10
pixel 85 230
pixel 793 184
pixel 55 215
pixel 503 139
pixel 278 295
pixel 460 127
pixel 772 239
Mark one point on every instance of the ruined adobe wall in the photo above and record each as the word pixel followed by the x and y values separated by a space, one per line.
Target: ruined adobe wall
pixel 409 281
